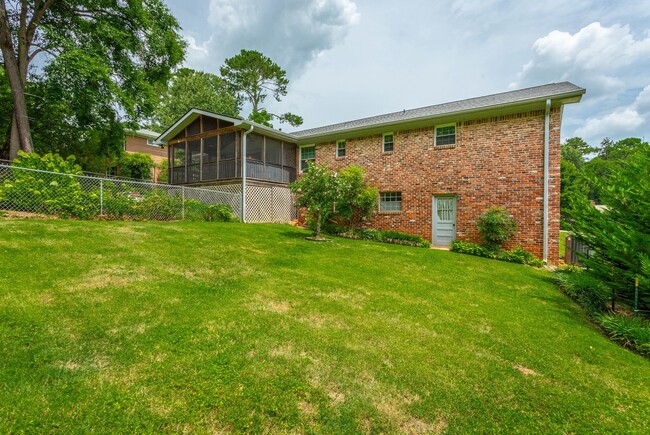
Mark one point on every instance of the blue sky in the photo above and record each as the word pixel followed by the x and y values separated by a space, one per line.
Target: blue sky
pixel 349 59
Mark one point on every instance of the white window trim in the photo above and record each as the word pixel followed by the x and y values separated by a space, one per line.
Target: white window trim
pixel 151 142
pixel 383 142
pixel 435 134
pixel 345 147
pixel 300 155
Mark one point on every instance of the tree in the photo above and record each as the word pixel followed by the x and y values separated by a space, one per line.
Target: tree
pixel 611 156
pixel 104 56
pixel 251 75
pixel 194 89
pixel 357 201
pixel 316 191
pixel 619 236
pixel 574 150
pixel 135 165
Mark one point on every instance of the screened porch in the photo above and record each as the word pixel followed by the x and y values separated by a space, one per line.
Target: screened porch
pixel 209 149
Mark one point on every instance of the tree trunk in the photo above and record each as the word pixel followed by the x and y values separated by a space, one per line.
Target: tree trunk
pixel 14 142
pixel 318 219
pixel 15 73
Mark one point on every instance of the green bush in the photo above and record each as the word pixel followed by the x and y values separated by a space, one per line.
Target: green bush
pixel 495 227
pixel 517 255
pixel 393 237
pixel 159 205
pixel 60 195
pixel 199 211
pixel 588 291
pixel 520 256
pixel 219 213
pixel 631 332
pixel 135 165
pixel 119 202
pixel 470 248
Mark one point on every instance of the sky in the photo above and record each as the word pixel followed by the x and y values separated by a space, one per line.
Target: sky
pixel 350 59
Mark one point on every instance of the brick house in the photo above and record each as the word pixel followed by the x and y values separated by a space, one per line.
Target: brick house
pixel 143 141
pixel 437 168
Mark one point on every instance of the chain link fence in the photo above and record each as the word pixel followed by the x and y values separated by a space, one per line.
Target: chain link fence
pixel 86 197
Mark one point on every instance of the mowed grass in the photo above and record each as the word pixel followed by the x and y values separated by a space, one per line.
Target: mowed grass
pixel 205 327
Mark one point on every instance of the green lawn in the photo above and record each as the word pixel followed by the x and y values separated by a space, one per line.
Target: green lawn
pixel 205 327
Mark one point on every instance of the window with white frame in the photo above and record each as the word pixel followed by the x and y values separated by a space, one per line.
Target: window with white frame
pixel 340 148
pixel 390 201
pixel 307 154
pixel 150 142
pixel 445 135
pixel 387 143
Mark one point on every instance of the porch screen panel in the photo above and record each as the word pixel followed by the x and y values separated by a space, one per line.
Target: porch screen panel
pixel 289 162
pixel 178 162
pixel 210 158
pixel 255 156
pixel 194 160
pixel 273 155
pixel 227 164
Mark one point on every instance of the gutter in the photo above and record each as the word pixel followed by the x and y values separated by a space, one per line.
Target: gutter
pixel 243 172
pixel 547 121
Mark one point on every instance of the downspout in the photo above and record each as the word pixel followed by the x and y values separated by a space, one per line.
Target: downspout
pixel 243 173
pixel 547 121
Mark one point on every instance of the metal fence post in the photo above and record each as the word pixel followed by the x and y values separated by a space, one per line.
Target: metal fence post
pixel 101 197
pixel 183 203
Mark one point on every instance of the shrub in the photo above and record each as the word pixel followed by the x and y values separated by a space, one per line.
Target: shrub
pixel 119 202
pixel 219 213
pixel 158 204
pixel 495 227
pixel 392 237
pixel 631 332
pixel 41 192
pixel 470 248
pixel 199 211
pixel 588 291
pixel 135 165
pixel 517 255
pixel 521 256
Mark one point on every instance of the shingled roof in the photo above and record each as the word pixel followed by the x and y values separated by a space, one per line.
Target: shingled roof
pixel 521 96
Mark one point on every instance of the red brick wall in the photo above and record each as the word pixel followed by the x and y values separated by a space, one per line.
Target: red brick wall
pixel 496 162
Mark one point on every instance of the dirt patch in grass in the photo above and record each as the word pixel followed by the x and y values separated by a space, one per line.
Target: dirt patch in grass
pixel 115 276
pixel 526 370
pixel 24 215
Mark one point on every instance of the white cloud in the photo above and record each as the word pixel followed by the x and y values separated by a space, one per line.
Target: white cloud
pixel 596 57
pixel 621 122
pixel 610 62
pixel 197 53
pixel 291 32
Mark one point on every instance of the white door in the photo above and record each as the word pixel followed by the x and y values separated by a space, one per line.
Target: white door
pixel 444 220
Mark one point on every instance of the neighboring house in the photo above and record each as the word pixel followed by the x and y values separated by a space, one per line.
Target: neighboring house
pixel 143 141
pixel 437 168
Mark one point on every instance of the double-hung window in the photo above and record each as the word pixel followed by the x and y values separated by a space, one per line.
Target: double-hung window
pixel 387 143
pixel 340 148
pixel 445 135
pixel 390 201
pixel 307 154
